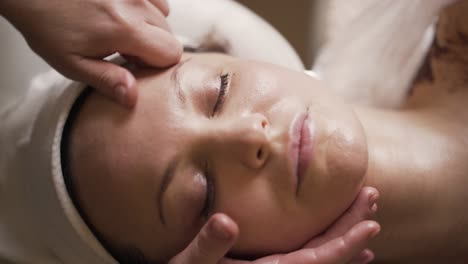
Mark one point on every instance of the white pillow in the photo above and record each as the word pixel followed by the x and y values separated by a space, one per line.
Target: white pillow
pixel 241 32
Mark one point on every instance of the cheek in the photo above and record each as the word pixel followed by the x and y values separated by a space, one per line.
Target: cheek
pixel 257 89
pixel 347 152
pixel 185 199
pixel 266 226
pixel 347 157
pixel 347 164
pixel 344 149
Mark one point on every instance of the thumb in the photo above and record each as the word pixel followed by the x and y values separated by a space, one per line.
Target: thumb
pixel 212 242
pixel 109 79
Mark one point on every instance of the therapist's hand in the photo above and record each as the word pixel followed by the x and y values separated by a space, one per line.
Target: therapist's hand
pixel 73 36
pixel 345 242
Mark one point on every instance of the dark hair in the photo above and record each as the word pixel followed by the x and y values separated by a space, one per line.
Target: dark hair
pixel 123 254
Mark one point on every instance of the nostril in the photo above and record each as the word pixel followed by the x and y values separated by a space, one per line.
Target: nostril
pixel 260 154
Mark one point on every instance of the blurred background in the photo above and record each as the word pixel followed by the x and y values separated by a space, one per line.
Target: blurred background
pixel 296 20
pixel 306 24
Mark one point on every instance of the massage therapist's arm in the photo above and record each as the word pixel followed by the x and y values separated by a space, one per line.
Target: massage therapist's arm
pixel 73 36
pixel 344 242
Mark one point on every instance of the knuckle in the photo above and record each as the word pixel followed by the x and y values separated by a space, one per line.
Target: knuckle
pixel 312 256
pixel 103 79
pixel 106 78
pixel 341 246
pixel 201 245
pixel 118 17
pixel 204 249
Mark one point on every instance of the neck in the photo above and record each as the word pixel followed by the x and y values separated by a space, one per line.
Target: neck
pixel 416 182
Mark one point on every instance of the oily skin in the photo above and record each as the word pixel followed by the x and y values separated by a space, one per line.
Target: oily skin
pixel 418 162
pixel 118 174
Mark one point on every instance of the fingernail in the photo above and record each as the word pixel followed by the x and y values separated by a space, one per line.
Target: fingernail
pixel 374 208
pixel 219 230
pixel 369 257
pixel 373 198
pixel 121 94
pixel 365 256
pixel 375 231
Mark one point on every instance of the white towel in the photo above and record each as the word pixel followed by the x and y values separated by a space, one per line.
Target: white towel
pixel 38 221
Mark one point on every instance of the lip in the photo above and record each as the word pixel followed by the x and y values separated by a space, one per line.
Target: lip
pixel 300 147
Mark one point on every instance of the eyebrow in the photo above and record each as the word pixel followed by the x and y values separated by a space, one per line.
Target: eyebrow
pixel 176 80
pixel 167 177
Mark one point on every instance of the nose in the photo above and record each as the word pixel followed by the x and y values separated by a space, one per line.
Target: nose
pixel 245 138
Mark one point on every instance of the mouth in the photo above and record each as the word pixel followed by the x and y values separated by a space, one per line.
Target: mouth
pixel 300 147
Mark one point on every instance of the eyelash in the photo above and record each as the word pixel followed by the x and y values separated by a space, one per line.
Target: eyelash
pixel 210 193
pixel 221 94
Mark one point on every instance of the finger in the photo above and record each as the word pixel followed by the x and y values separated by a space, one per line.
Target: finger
pixel 364 257
pixel 154 46
pixel 162 5
pixel 363 208
pixel 340 250
pixel 212 242
pixel 109 79
pixel 155 17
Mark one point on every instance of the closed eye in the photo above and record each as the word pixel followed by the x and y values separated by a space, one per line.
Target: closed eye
pixel 224 79
pixel 210 193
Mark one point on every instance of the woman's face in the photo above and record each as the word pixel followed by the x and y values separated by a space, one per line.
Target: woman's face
pixel 268 146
